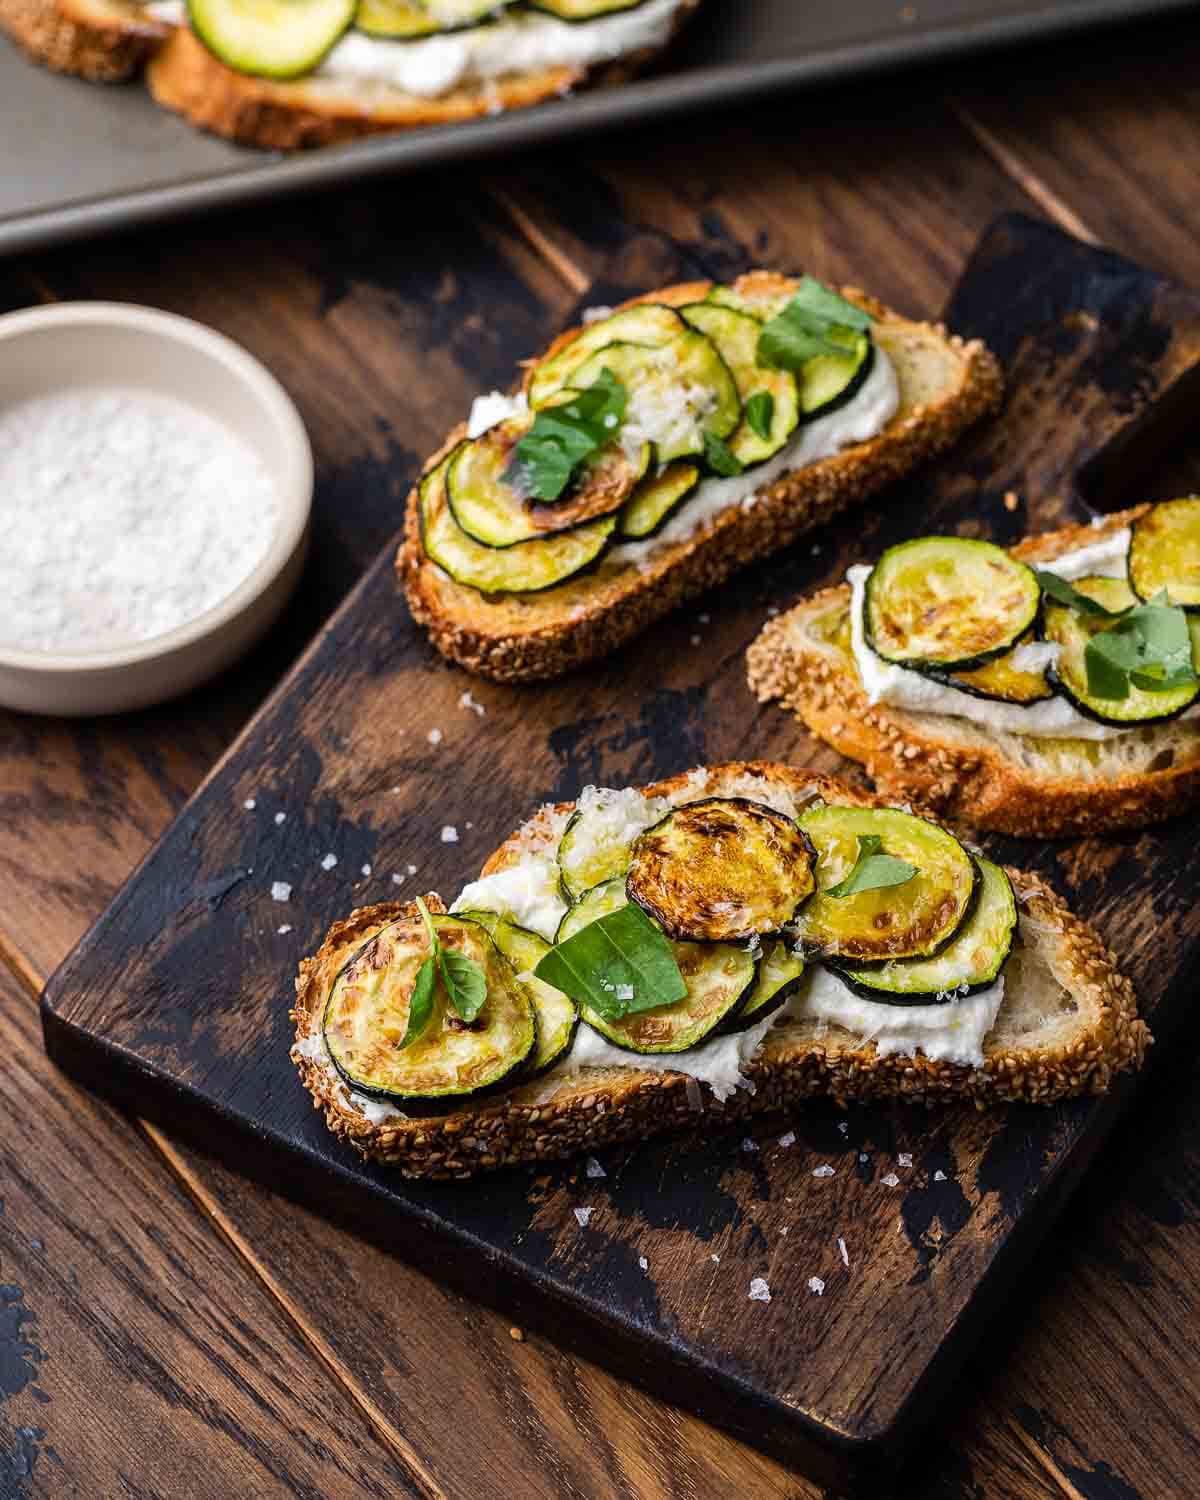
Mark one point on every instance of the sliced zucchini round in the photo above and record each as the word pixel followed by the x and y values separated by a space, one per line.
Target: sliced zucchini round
pixel 1164 552
pixel 270 38
pixel 763 306
pixel 948 602
pixel 495 513
pixel 1072 630
pixel 1003 681
pixel 557 1016
pixel 649 323
pixel 913 920
pixel 971 961
pixel 598 839
pixel 678 392
pixel 417 18
pixel 656 499
pixel 717 975
pixel 582 10
pixel 721 869
pixel 736 336
pixel 451 1061
pixel 830 380
pixel 779 971
pixel 526 569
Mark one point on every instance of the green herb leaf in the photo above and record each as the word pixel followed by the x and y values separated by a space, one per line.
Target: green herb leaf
pixel 1061 591
pixel 617 965
pixel 816 298
pixel 1148 646
pixel 816 321
pixel 435 946
pixel 566 435
pixel 465 983
pixel 760 413
pixel 720 458
pixel 420 1003
pixel 872 871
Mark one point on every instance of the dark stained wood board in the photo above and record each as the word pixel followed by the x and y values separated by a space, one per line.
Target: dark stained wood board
pixel 176 1001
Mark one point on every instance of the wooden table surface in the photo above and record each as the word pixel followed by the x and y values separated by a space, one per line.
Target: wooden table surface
pixel 170 1330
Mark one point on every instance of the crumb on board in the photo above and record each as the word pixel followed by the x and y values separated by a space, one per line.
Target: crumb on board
pixel 1011 500
pixel 517 1335
pixel 472 705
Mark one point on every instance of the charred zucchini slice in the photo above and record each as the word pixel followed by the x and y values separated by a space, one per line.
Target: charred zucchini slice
pixel 656 499
pixel 913 920
pixel 736 336
pixel 1071 630
pixel 1004 680
pixel 526 569
pixel 270 38
pixel 416 18
pixel 492 511
pixel 948 602
pixel 779 971
pixel 678 393
pixel 597 841
pixel 366 1018
pixel 1164 553
pixel 557 1017
pixel 717 976
pixel 649 323
pixel 971 961
pixel 721 869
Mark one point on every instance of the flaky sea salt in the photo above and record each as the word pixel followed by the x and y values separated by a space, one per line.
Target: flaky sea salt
pixel 281 891
pixel 593 1168
pixel 583 1215
pixel 891 1180
pixel 643 1262
pixel 759 1290
pixel 250 804
pixel 789 1139
pixel 125 514
pixel 471 704
pixel 843 1252
pixel 939 1175
pixel 905 1158
pixel 816 1286
pixel 434 736
pixel 824 1170
pixel 749 1145
pixel 280 817
pixel 329 861
pixel 366 869
pixel 449 834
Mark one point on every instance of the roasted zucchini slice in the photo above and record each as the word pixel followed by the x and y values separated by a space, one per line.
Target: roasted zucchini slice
pixel 678 393
pixel 971 961
pixel 1003 680
pixel 495 513
pixel 948 602
pixel 526 569
pixel 656 499
pixel 764 306
pixel 582 10
pixel 717 975
pixel 779 971
pixel 557 1016
pixel 736 336
pixel 416 18
pixel 270 38
pixel 913 920
pixel 721 869
pixel 1164 553
pixel 649 323
pixel 598 839
pixel 366 1018
pixel 1071 629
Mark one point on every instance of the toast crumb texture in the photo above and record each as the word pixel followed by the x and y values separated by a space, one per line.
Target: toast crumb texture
pixel 1068 1024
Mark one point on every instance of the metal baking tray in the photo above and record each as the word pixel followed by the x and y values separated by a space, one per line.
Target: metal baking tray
pixel 78 158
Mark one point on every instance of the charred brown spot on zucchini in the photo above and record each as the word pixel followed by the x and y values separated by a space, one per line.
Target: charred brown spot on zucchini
pixel 970 962
pixel 779 971
pixel 557 1016
pixel 649 324
pixel 524 569
pixel 656 499
pixel 948 603
pixel 717 975
pixel 1003 680
pixel 366 1019
pixel 1072 629
pixel 735 335
pixel 1164 553
pixel 913 920
pixel 721 869
pixel 417 18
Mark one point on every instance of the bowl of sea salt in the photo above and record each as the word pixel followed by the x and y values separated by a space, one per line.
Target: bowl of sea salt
pixel 155 493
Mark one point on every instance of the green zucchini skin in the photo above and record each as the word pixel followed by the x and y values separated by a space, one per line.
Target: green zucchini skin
pixel 969 963
pixel 655 501
pixel 1164 552
pixel 1038 689
pixel 779 972
pixel 558 1015
pixel 409 20
pixel 580 12
pixel 235 35
pixel 650 324
pixel 735 335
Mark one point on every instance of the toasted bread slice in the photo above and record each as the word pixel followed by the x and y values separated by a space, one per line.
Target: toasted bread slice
pixel 1008 783
pixel 104 41
pixel 319 111
pixel 945 386
pixel 1067 1024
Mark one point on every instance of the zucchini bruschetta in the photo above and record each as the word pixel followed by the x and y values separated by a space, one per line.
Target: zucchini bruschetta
pixel 659 447
pixel 104 41
pixel 738 937
pixel 1049 690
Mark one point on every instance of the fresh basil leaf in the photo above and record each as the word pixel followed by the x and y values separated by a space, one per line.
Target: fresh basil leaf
pixel 816 321
pixel 1105 678
pixel 420 1003
pixel 617 965
pixel 760 413
pixel 1059 589
pixel 872 871
pixel 465 983
pixel 435 946
pixel 815 297
pixel 564 436
pixel 720 458
pixel 1149 645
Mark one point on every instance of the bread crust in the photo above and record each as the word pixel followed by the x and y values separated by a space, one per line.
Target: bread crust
pixel 186 78
pixel 525 638
pixel 100 40
pixel 974 783
pixel 608 1105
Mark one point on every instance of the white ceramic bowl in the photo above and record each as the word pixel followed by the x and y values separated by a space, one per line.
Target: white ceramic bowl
pixel 49 349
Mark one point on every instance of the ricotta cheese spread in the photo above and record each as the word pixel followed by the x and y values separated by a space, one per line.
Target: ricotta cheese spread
pixel 1053 718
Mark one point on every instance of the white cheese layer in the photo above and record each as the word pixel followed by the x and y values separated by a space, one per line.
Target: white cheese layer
pixel 527 893
pixel 1054 718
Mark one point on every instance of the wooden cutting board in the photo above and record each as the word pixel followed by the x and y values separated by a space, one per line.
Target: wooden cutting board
pixel 175 1003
